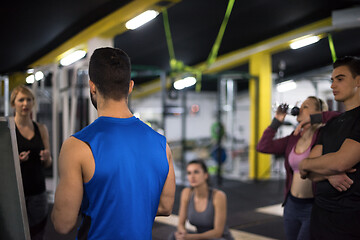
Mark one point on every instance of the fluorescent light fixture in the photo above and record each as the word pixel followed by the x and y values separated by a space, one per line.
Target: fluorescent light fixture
pixel 286 86
pixel 72 57
pixel 184 83
pixel 30 79
pixel 302 42
pixel 39 75
pixel 141 19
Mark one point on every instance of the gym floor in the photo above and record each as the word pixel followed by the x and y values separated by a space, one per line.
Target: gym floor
pixel 254 212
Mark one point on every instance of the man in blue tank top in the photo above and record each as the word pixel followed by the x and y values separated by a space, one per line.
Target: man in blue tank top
pixel 117 171
pixel 336 213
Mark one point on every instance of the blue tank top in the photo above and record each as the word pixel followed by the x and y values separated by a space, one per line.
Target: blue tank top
pixel 122 198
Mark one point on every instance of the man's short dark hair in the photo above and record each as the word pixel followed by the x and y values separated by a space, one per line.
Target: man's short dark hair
pixel 110 71
pixel 353 63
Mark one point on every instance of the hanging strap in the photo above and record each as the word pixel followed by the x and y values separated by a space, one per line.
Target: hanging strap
pixel 179 66
pixel 215 49
pixel 332 48
pixel 169 39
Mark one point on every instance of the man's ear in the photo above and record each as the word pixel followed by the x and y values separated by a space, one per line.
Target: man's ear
pixel 92 87
pixel 131 86
pixel 357 79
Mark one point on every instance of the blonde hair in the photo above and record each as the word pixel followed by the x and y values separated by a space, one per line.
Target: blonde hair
pixel 23 89
pixel 320 104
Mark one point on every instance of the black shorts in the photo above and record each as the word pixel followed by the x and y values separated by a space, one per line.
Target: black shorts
pixel 327 225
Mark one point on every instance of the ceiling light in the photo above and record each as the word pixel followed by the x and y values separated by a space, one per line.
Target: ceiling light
pixel 302 42
pixel 184 83
pixel 39 75
pixel 72 57
pixel 286 86
pixel 141 19
pixel 30 79
pixel 30 70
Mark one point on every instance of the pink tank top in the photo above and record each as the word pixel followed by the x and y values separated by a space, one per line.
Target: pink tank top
pixel 295 158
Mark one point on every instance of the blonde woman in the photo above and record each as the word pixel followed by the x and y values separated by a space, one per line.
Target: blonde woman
pixel 34 154
pixel 299 193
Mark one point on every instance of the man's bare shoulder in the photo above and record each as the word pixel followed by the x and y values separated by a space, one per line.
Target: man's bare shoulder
pixel 73 142
pixel 75 148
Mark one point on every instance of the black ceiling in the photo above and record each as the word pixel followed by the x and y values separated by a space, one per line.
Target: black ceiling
pixel 33 28
pixel 30 29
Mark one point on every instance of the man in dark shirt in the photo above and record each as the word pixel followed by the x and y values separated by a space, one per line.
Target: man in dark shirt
pixel 336 214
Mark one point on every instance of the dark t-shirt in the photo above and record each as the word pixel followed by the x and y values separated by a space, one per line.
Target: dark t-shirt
pixel 332 136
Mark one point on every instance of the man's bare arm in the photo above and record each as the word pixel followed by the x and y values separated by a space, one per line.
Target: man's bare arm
pixel 333 163
pixel 168 193
pixel 69 192
pixel 315 152
pixel 340 182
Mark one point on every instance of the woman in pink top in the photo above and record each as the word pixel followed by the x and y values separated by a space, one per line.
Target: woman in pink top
pixel 298 192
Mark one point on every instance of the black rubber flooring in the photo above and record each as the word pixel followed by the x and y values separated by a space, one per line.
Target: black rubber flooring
pixel 243 199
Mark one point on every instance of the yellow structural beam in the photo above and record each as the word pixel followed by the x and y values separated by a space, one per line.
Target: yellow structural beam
pixel 17 79
pixel 272 45
pixel 148 88
pixel 107 27
pixel 260 115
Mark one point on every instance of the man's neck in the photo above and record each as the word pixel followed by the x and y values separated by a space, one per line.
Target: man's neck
pixel 113 108
pixel 352 103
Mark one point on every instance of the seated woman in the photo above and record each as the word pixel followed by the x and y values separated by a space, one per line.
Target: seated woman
pixel 204 207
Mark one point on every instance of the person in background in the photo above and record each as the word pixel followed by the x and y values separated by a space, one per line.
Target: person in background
pixel 299 193
pixel 34 154
pixel 203 206
pixel 117 171
pixel 336 215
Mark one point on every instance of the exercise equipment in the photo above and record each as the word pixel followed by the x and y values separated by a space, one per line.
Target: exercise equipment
pixel 13 217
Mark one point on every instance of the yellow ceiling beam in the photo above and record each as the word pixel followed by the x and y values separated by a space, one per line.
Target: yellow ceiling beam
pixel 118 26
pixel 148 88
pixel 16 79
pixel 107 27
pixel 272 45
